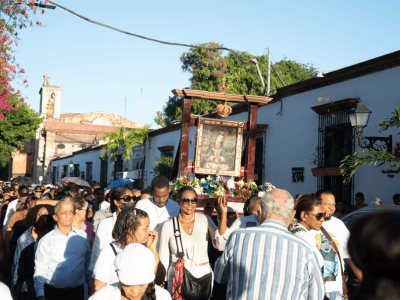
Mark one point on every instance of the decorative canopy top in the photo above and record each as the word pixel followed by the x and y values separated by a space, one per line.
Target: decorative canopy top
pixel 214 96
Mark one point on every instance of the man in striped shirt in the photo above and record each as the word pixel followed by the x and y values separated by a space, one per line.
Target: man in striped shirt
pixel 268 262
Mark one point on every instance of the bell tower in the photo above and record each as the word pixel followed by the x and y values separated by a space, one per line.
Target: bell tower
pixel 50 99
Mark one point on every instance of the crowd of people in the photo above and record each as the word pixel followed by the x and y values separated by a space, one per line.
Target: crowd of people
pixel 72 242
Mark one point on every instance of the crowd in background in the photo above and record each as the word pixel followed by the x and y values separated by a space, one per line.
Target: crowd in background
pixel 72 242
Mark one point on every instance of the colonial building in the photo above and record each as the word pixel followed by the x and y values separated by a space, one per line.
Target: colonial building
pixel 62 134
pixel 305 132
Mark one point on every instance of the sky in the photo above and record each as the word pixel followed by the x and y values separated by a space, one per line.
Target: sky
pixel 98 68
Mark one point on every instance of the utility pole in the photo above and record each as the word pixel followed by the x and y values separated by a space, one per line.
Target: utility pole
pixel 269 71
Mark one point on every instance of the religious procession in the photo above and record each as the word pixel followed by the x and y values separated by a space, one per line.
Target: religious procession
pixel 178 168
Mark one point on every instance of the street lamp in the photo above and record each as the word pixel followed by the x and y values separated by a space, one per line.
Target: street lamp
pixel 359 119
pixel 255 61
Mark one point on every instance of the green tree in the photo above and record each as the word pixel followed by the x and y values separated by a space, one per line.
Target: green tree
pixel 17 127
pixel 124 138
pixel 351 163
pixel 215 71
pixel 164 166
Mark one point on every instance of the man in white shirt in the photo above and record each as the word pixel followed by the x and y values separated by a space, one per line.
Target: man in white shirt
pixel 159 208
pixel 340 234
pixel 62 258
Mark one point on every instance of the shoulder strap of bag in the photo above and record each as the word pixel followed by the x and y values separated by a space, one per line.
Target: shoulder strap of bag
pixel 113 248
pixel 178 237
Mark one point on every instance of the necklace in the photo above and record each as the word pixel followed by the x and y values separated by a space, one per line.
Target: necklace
pixel 185 221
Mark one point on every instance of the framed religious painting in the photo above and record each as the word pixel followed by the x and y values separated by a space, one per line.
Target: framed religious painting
pixel 218 147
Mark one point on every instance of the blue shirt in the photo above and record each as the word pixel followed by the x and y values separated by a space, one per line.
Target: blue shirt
pixel 61 260
pixel 268 262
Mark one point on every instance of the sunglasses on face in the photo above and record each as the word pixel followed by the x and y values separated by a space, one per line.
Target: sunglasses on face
pixel 319 216
pixel 189 201
pixel 129 198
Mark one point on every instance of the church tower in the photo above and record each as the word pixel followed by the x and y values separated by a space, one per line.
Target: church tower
pixel 50 100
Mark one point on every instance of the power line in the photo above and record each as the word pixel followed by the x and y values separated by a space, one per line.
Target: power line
pixel 142 36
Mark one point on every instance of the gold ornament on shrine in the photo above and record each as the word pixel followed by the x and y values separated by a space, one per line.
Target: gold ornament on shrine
pixel 224 110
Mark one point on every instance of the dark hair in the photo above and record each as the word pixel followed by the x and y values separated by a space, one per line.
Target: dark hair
pixel 151 291
pixel 359 194
pixel 46 196
pixel 184 189
pixel 79 202
pixel 115 194
pixel 374 248
pixel 306 203
pixel 323 191
pixel 32 213
pixel 159 182
pixel 394 197
pixel 146 191
pixel 44 224
pixel 127 222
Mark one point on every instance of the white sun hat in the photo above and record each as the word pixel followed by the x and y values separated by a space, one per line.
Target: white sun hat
pixel 135 265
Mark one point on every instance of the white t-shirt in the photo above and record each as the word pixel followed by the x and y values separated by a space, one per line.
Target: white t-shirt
pixel 5 292
pixel 102 239
pixel 340 234
pixel 104 269
pixel 112 292
pixel 158 215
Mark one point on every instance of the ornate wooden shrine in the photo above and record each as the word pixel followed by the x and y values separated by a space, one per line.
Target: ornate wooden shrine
pixel 249 126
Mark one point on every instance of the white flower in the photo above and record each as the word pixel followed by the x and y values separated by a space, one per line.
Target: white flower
pixel 230 184
pixel 199 191
pixel 261 194
pixel 203 180
pixel 240 183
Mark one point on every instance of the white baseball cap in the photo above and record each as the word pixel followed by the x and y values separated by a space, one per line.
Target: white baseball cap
pixel 135 265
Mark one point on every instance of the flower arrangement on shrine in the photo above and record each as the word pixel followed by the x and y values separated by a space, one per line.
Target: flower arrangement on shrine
pixel 221 186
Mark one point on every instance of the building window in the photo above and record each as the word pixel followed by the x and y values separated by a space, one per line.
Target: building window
pixel 89 171
pixel 65 171
pixel 77 171
pixel 335 141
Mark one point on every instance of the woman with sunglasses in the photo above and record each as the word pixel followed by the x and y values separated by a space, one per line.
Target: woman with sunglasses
pixel 309 215
pixel 132 226
pixel 80 221
pixel 119 197
pixel 195 228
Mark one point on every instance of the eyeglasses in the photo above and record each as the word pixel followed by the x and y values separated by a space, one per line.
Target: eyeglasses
pixel 319 216
pixel 129 198
pixel 189 201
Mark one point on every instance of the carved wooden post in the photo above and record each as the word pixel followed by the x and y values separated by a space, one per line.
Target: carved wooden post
pixel 251 145
pixel 185 134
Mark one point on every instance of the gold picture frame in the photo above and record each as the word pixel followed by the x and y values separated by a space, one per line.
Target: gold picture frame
pixel 218 148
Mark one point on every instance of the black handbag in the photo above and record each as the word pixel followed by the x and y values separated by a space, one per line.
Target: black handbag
pixel 193 288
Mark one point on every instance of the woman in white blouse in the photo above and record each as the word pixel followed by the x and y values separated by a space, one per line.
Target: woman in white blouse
pixel 196 228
